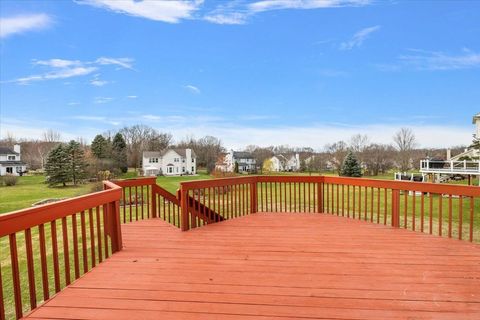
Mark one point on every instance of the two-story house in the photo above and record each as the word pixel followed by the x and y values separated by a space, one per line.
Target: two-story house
pixel 244 160
pixel 169 162
pixel 10 161
pixel 283 162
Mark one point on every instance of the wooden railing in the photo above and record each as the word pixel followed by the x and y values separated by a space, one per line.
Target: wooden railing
pixel 439 209
pixel 50 246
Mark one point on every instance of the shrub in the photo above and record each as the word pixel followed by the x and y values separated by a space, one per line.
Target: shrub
pixel 10 180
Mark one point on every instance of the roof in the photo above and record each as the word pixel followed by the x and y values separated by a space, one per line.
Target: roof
pixel 15 163
pixel 7 150
pixel 159 154
pixel 477 116
pixel 242 155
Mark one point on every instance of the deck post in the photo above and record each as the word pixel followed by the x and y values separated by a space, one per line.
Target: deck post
pixel 184 206
pixel 153 196
pixel 253 197
pixel 115 231
pixel 395 208
pixel 320 197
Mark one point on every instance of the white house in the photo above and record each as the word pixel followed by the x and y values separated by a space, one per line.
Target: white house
pixel 471 153
pixel 10 161
pixel 169 162
pixel 283 162
pixel 245 160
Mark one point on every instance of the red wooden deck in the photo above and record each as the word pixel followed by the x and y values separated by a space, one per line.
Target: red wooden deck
pixel 277 266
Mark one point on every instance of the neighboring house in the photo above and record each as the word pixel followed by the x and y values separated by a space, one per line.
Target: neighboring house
pixel 245 160
pixel 283 162
pixel 10 161
pixel 471 153
pixel 169 162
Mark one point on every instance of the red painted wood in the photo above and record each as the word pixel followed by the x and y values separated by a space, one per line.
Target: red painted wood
pixel 30 269
pixel 56 268
pixel 17 293
pixel 277 266
pixel 2 304
pixel 43 261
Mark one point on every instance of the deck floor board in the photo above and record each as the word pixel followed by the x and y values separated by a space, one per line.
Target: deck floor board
pixel 277 266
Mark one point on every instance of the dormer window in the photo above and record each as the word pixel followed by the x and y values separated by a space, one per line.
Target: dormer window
pixel 11 158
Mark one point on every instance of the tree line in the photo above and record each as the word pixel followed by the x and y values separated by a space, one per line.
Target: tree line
pixel 116 151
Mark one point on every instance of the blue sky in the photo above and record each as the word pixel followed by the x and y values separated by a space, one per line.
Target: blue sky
pixel 297 72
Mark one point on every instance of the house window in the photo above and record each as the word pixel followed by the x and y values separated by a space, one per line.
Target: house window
pixel 10 170
pixel 193 169
pixel 170 169
pixel 183 160
pixel 153 160
pixel 176 160
pixel 177 169
pixel 18 169
pixel 11 157
pixel 183 169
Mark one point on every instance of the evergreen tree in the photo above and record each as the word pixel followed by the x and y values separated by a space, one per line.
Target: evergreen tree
pixel 100 147
pixel 119 152
pixel 57 166
pixel 236 169
pixel 76 162
pixel 351 166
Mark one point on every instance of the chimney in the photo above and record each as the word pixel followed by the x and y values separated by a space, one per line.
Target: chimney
pixel 188 162
pixel 16 148
pixel 449 154
pixel 297 158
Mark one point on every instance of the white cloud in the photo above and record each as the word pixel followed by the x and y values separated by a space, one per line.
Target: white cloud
pixel 24 23
pixel 171 11
pixel 266 5
pixel 57 74
pixel 192 89
pixel 427 60
pixel 227 18
pixel 358 38
pixel 73 103
pixel 100 100
pixel 61 69
pixel 132 97
pixel 58 63
pixel 122 62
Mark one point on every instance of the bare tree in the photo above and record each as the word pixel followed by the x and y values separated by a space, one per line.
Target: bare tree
pixel 52 136
pixel 405 143
pixel 140 138
pixel 378 158
pixel 336 153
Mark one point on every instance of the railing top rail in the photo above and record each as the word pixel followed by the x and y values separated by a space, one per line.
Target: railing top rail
pixel 287 178
pixel 27 218
pixel 135 182
pixel 449 161
pixel 222 182
pixel 470 191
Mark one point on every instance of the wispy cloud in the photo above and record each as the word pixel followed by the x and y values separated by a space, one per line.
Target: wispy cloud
pixel 73 103
pixel 97 119
pixel 100 100
pixel 62 69
pixel 192 89
pixel 126 63
pixel 171 11
pixel 24 23
pixel 358 38
pixel 266 5
pixel 430 60
pixel 132 97
pixel 233 12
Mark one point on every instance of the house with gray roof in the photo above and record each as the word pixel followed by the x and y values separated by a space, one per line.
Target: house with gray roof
pixel 245 161
pixel 169 162
pixel 10 161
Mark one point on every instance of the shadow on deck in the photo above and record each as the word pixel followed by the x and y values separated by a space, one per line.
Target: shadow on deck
pixel 277 266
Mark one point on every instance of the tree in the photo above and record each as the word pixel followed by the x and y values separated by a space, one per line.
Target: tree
pixel 267 165
pixel 77 164
pixel 236 170
pixel 405 142
pixel 351 166
pixel 119 153
pixel 337 153
pixel 378 158
pixel 57 166
pixel 100 147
